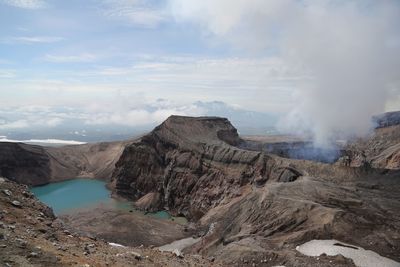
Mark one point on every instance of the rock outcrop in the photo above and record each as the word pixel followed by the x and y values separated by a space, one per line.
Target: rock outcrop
pixel 95 160
pixel 381 150
pixel 387 119
pixel 250 207
pixel 271 221
pixel 37 165
pixel 192 165
pixel 25 164
pixel 257 207
pixel 30 235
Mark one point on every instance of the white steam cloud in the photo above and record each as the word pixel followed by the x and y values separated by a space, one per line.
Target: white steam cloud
pixel 350 48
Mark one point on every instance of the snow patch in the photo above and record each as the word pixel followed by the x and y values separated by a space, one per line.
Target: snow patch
pixel 360 256
pixel 116 245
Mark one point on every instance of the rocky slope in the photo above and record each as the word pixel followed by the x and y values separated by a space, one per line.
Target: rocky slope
pixel 271 221
pixel 90 160
pixel 127 228
pixel 30 235
pixel 36 165
pixel 252 208
pixel 380 150
pixel 387 119
pixel 290 147
pixel 256 207
pixel 25 163
pixel 190 165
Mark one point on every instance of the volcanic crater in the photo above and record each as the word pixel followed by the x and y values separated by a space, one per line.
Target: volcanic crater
pixel 250 201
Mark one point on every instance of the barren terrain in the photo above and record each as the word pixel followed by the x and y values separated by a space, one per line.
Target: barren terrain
pixel 247 206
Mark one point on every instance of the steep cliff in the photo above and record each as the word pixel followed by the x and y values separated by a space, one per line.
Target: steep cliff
pixel 36 165
pixel 387 119
pixel 250 207
pixel 189 165
pixel 23 163
pixel 95 160
pixel 380 150
pixel 256 207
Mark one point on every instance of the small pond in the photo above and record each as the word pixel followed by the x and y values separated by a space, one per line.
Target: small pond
pixel 78 194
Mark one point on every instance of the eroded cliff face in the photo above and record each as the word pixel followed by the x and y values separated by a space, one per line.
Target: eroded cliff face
pixel 258 207
pixel 25 164
pixel 37 165
pixel 190 165
pixel 253 207
pixel 95 160
pixel 381 150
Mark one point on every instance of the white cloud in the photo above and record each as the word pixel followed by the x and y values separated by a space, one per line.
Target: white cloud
pixel 53 122
pixel 232 80
pixel 119 111
pixel 32 121
pixel 349 47
pixel 118 114
pixel 27 4
pixel 85 57
pixel 14 125
pixel 42 141
pixel 212 73
pixel 137 117
pixel 22 117
pixel 31 39
pixel 7 73
pixel 135 12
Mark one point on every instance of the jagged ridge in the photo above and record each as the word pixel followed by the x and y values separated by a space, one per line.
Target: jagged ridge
pixel 189 165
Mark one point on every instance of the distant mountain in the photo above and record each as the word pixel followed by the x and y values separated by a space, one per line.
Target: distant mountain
pixel 83 125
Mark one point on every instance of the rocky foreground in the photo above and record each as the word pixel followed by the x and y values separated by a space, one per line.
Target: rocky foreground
pixel 30 235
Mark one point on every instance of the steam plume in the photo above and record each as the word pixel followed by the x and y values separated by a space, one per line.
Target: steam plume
pixel 350 49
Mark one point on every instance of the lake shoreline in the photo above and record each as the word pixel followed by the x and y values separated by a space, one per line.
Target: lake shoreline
pixel 50 195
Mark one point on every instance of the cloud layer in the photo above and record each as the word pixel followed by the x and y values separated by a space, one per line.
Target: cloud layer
pixel 117 119
pixel 330 64
pixel 28 4
pixel 30 39
pixel 349 47
pixel 134 12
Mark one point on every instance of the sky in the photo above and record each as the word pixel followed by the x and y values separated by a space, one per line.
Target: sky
pixel 67 52
pixel 135 62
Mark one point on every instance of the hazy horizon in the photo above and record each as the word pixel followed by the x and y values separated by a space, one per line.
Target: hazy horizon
pixel 109 69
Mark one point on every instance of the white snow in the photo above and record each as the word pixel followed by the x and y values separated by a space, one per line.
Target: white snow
pixel 179 244
pixel 360 256
pixel 116 245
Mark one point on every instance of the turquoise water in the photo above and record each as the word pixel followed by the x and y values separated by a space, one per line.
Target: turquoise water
pixel 160 214
pixel 79 194
pixel 69 195
pixel 164 215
